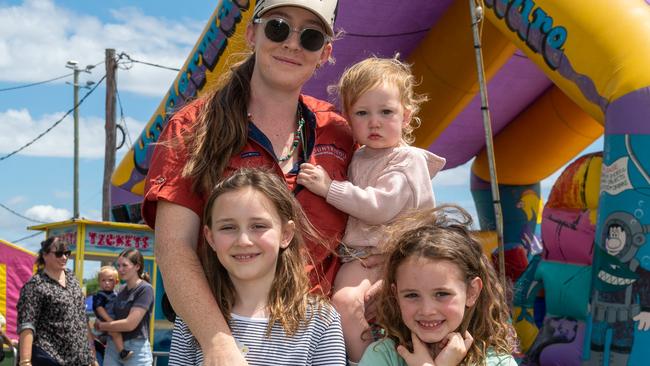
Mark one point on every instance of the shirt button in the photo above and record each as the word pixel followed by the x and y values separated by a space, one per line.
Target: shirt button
pixel 159 180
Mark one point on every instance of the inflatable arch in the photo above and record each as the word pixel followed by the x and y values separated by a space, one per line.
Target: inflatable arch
pixel 560 73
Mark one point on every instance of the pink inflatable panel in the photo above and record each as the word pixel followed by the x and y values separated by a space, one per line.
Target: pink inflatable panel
pixel 568 235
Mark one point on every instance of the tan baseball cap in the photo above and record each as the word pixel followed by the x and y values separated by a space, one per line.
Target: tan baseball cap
pixel 324 9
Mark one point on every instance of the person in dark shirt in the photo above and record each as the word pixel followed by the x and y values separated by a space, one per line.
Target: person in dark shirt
pixel 52 321
pixel 132 308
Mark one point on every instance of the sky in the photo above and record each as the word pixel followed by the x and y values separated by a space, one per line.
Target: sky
pixel 37 38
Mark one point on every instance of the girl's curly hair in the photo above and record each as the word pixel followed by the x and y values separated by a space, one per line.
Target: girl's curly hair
pixel 443 233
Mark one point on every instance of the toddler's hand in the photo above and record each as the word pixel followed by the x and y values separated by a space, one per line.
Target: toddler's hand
pixel 421 355
pixel 453 349
pixel 314 178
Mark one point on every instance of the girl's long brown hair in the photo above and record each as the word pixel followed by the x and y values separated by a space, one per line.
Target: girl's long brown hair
pixel 288 298
pixel 443 233
pixel 222 126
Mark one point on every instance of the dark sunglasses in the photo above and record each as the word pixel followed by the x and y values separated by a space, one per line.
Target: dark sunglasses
pixel 61 253
pixel 278 30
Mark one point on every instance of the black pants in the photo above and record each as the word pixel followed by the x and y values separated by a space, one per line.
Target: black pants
pixel 42 358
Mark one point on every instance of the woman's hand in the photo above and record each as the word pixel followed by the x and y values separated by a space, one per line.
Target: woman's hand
pixel 314 178
pixel 98 325
pixel 453 349
pixel 421 356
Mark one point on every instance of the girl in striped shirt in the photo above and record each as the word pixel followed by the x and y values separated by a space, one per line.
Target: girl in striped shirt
pixel 254 260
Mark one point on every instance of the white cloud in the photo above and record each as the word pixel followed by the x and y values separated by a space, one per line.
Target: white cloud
pixel 48 213
pixel 38 37
pixel 18 127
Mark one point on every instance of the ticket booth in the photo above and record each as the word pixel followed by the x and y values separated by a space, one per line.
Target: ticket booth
pixel 102 242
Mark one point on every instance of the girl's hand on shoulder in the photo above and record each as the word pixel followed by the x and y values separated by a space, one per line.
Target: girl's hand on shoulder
pixel 453 349
pixel 421 356
pixel 314 178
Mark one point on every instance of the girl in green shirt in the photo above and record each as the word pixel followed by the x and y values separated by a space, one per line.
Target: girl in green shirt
pixel 441 303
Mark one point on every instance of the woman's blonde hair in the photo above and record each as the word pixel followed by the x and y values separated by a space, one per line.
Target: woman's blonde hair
pixel 288 300
pixel 443 233
pixel 373 72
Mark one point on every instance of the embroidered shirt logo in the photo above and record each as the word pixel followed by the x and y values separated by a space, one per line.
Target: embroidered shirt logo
pixel 330 149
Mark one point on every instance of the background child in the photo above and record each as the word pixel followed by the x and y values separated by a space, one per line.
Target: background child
pixel 387 178
pixel 103 302
pixel 254 263
pixel 441 302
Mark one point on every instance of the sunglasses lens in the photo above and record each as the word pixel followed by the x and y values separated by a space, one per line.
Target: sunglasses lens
pixel 276 30
pixel 60 254
pixel 311 39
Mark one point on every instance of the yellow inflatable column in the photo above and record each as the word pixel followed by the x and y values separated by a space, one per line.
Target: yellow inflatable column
pixel 539 141
pixel 446 64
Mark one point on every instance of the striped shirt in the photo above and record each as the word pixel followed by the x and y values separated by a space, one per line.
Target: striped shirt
pixel 318 342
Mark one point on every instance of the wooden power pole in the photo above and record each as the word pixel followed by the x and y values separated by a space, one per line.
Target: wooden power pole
pixel 109 155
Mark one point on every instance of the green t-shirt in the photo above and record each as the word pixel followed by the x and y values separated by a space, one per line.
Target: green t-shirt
pixel 383 353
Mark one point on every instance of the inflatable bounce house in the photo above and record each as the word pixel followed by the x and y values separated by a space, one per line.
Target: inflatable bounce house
pixel 559 75
pixel 16 268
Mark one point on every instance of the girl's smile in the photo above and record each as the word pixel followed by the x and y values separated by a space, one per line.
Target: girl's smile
pixel 247 234
pixel 433 308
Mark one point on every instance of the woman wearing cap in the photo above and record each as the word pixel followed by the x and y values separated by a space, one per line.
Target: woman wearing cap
pixel 257 117
pixel 52 322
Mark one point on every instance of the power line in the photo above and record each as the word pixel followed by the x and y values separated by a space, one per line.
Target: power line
pixel 27 237
pixel 126 129
pixel 44 81
pixel 34 84
pixel 55 123
pixel 21 216
pixel 132 60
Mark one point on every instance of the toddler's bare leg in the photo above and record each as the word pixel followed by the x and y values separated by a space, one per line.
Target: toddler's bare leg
pixel 351 283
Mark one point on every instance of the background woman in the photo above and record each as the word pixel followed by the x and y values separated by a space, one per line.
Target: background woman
pixel 132 311
pixel 256 117
pixel 52 322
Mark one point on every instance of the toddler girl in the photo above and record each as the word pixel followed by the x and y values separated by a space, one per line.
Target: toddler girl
pixel 387 179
